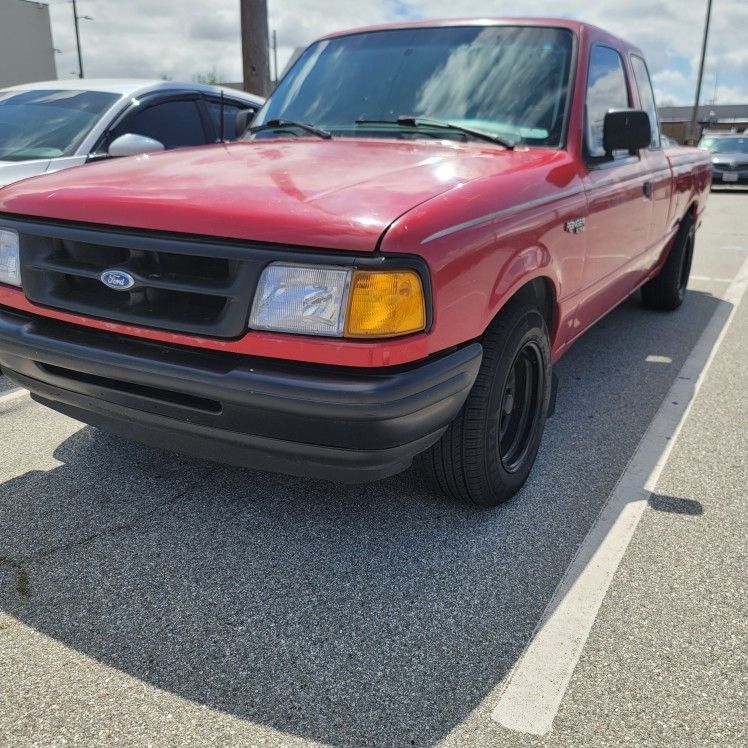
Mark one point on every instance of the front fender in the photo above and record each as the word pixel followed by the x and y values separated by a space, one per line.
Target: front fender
pixel 479 259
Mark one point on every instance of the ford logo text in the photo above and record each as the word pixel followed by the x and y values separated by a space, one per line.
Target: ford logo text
pixel 117 280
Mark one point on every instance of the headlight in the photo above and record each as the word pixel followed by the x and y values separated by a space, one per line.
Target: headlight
pixel 303 299
pixel 338 302
pixel 10 271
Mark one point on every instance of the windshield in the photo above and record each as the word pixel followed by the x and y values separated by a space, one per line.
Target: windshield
pixel 47 124
pixel 726 145
pixel 505 80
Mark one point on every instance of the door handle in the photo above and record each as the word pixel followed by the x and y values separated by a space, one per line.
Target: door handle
pixel 647 187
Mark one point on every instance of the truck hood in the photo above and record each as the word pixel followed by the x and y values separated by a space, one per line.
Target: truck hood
pixel 336 194
pixel 13 171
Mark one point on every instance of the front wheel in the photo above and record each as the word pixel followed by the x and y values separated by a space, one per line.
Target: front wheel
pixel 487 452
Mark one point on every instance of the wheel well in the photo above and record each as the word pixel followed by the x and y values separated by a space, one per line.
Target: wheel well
pixel 540 293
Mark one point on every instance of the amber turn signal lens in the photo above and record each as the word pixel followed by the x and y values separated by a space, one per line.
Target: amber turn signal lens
pixel 385 303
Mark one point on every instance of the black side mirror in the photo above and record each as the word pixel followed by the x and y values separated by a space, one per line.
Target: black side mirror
pixel 626 130
pixel 243 118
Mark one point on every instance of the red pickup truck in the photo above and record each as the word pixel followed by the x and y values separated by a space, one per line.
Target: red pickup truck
pixel 419 222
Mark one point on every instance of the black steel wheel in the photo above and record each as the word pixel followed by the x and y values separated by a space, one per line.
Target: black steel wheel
pixel 668 289
pixel 487 452
pixel 521 406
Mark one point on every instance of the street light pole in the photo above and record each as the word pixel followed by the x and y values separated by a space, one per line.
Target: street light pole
pixel 78 40
pixel 695 114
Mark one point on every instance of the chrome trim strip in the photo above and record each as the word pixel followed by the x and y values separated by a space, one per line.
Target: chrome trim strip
pixel 503 212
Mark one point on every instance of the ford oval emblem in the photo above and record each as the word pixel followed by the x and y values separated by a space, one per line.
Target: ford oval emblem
pixel 117 280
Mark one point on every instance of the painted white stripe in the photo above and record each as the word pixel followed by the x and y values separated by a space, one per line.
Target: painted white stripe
pixel 710 279
pixel 533 690
pixel 11 396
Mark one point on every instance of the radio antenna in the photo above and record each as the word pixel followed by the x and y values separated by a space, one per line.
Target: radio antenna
pixel 221 138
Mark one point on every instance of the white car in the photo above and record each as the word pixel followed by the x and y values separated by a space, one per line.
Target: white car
pixel 54 125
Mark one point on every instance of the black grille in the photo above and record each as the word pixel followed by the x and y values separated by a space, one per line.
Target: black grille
pixel 729 166
pixel 180 285
pixel 183 283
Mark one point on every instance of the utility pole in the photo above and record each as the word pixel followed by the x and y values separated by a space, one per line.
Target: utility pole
pixel 275 58
pixel 78 40
pixel 692 138
pixel 716 85
pixel 76 19
pixel 255 58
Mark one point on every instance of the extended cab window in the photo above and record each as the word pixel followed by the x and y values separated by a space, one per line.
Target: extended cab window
pixel 606 89
pixel 646 97
pixel 173 123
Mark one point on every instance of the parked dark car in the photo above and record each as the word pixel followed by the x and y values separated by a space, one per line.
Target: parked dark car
pixel 729 157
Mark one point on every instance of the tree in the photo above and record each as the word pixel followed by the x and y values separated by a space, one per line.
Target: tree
pixel 212 77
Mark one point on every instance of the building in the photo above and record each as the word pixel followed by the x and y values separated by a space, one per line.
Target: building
pixel 675 120
pixel 26 50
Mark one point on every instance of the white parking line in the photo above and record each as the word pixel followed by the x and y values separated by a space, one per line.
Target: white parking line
pixel 709 279
pixel 11 396
pixel 533 690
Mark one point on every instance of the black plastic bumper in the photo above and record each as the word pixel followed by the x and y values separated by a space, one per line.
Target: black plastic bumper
pixel 351 425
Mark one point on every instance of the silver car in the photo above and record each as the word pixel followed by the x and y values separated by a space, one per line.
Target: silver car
pixel 54 125
pixel 729 157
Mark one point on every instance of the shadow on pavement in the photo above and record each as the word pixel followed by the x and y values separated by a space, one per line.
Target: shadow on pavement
pixel 676 505
pixel 6 385
pixel 369 615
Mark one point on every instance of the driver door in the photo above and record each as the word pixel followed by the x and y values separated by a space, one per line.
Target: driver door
pixel 619 200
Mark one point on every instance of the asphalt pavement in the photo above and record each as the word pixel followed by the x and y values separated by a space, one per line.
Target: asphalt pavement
pixel 151 599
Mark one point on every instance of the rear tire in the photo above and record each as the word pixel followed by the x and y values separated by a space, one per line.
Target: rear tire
pixel 487 452
pixel 667 290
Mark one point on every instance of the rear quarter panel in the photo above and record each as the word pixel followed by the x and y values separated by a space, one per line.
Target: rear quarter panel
pixel 692 177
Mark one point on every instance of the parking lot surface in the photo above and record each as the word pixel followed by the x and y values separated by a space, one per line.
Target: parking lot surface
pixel 151 599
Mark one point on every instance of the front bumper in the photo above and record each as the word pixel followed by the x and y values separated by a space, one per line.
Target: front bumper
pixel 730 176
pixel 345 424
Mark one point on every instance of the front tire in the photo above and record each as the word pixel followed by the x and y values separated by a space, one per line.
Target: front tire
pixel 667 291
pixel 487 452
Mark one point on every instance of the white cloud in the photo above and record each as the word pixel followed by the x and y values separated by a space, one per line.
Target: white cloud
pixel 181 38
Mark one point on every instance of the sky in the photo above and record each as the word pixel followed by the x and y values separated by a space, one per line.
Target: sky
pixel 185 38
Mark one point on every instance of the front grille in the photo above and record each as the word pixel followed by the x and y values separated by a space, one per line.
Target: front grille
pixel 194 285
pixel 183 286
pixel 725 166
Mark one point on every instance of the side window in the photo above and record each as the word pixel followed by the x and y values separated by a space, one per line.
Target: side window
pixel 606 89
pixel 646 97
pixel 173 123
pixel 231 109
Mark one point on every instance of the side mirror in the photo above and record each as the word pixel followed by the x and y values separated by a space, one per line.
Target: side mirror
pixel 626 130
pixel 243 118
pixel 130 144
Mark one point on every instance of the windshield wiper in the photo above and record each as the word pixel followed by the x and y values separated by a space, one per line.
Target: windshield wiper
pixel 280 124
pixel 411 121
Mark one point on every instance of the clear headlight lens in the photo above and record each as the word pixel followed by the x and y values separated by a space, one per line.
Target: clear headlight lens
pixel 302 299
pixel 10 266
pixel 339 302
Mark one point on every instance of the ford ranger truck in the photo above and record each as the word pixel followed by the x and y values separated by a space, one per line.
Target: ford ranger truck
pixel 418 223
